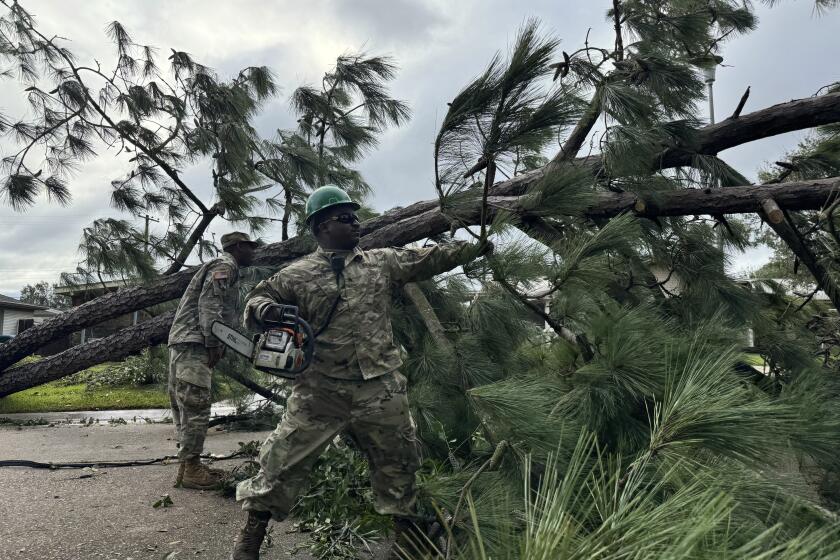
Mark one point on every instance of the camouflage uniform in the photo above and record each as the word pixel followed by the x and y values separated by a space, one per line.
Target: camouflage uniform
pixel 211 296
pixel 353 384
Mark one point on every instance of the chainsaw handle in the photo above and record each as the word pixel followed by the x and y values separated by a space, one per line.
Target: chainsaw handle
pixel 285 314
pixel 308 348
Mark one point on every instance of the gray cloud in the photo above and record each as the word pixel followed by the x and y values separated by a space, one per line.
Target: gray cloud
pixel 392 24
pixel 440 45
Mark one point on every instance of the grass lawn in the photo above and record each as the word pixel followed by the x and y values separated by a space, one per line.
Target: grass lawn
pixel 754 360
pixel 53 397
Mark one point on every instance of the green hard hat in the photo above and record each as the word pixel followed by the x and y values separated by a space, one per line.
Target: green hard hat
pixel 325 197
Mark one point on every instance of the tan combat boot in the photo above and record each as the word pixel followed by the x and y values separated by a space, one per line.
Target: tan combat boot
pixel 198 476
pixel 250 538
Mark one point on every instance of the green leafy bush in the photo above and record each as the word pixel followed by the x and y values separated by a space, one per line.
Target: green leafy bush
pixel 148 368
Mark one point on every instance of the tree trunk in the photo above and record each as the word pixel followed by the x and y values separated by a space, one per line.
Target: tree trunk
pixel 786 230
pixel 798 114
pixel 287 216
pixel 801 195
pixel 420 219
pixel 577 137
pixel 748 199
pixel 124 301
pixel 119 345
pixel 430 318
pixel 195 236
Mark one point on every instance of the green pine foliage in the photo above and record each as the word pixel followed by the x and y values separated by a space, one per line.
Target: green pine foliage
pixel 610 363
pixel 606 389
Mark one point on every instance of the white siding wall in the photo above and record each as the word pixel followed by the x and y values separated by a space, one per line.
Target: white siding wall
pixel 10 319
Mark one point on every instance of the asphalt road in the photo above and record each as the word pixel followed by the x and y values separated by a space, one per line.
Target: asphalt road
pixel 70 515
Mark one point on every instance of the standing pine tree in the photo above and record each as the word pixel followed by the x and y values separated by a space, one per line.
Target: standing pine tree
pixel 338 123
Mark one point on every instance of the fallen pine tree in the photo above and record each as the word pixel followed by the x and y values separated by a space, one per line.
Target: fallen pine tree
pixel 132 340
pixel 644 429
pixel 423 221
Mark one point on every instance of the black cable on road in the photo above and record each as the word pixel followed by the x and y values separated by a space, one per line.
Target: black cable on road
pixel 107 464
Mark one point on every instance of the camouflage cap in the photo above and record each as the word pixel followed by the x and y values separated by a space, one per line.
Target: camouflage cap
pixel 235 237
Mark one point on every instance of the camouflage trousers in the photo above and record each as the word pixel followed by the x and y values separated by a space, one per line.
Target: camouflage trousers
pixel 190 402
pixel 373 412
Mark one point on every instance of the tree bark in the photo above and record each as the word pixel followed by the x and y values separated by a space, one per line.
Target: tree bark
pixel 794 115
pixel 120 345
pixel 430 318
pixel 287 215
pixel 194 238
pixel 420 217
pixel 95 311
pixel 574 142
pixel 799 195
pixel 778 119
pixel 786 230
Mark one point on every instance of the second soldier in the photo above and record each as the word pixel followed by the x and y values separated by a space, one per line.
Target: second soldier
pixel 194 352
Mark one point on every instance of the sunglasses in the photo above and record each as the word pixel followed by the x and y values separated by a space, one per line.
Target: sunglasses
pixel 347 218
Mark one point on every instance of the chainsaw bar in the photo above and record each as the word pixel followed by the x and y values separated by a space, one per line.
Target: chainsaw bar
pixel 232 338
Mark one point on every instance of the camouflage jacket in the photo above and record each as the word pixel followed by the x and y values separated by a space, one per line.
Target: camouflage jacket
pixel 211 296
pixel 358 343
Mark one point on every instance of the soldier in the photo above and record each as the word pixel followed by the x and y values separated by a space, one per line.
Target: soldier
pixel 353 384
pixel 194 352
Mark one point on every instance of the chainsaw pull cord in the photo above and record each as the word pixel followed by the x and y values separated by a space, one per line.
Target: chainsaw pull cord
pixel 337 265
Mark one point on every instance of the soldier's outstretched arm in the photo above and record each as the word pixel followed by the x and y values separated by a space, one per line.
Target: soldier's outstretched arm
pixel 211 302
pixel 271 291
pixel 414 264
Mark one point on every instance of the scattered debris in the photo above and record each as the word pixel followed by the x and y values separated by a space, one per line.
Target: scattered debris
pixel 164 501
pixel 28 422
pixel 88 472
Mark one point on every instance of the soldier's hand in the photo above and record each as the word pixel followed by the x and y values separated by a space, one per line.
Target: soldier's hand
pixel 214 354
pixel 273 313
pixel 277 313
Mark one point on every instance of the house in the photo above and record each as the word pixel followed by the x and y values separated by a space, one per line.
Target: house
pixel 17 316
pixel 82 293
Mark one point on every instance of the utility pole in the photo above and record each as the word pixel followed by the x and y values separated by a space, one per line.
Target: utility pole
pixel 709 74
pixel 146 230
pixel 710 83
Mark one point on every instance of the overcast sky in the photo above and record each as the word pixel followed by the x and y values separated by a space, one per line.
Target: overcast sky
pixel 439 45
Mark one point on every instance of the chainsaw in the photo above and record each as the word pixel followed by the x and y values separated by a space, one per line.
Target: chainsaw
pixel 285 349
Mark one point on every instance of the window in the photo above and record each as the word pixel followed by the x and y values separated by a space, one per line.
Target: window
pixel 24 324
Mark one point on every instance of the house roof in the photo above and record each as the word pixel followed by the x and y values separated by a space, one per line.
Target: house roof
pixel 71 289
pixel 7 302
